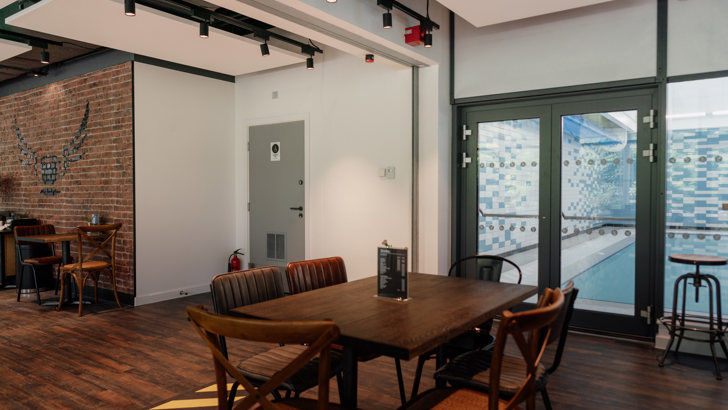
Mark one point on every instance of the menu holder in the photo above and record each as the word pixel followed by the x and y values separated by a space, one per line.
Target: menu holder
pixel 392 273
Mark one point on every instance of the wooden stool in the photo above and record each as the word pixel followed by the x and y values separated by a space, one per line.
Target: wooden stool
pixel 713 327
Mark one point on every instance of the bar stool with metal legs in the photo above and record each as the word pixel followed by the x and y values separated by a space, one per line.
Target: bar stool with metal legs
pixel 713 326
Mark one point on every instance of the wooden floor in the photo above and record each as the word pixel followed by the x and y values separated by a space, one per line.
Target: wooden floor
pixel 134 358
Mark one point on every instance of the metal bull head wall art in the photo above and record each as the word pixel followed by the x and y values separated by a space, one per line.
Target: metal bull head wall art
pixel 49 164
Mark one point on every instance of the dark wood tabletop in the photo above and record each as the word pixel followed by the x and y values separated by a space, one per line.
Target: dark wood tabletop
pixel 438 309
pixel 49 238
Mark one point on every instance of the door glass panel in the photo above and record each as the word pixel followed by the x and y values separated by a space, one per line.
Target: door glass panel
pixel 598 208
pixel 508 171
pixel 697 182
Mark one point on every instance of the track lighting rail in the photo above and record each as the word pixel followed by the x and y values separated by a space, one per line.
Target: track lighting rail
pixel 424 21
pixel 223 22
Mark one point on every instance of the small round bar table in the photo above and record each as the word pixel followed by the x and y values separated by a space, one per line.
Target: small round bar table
pixel 711 327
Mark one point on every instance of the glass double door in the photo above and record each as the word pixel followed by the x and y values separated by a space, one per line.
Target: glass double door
pixel 563 188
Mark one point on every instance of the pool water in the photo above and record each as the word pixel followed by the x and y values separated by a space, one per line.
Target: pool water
pixel 613 279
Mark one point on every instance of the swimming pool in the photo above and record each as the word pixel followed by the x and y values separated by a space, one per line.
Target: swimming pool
pixel 612 280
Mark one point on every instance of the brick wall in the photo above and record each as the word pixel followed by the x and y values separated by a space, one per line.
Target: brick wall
pixel 101 181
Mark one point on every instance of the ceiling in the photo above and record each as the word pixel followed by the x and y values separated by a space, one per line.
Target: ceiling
pixel 482 13
pixel 97 25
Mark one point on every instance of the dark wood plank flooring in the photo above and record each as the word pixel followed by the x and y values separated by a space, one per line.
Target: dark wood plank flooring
pixel 134 358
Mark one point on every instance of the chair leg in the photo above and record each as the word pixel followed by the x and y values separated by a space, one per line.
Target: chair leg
pixel 19 280
pixel 81 280
pixel 546 400
pixel 60 296
pixel 233 392
pixel 113 283
pixel 340 385
pixel 35 281
pixel 400 380
pixel 58 278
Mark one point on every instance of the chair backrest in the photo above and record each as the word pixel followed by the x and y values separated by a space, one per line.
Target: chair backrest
pixel 482 267
pixel 314 274
pixel 28 230
pixel 316 335
pixel 234 289
pixel 102 241
pixel 560 327
pixel 531 331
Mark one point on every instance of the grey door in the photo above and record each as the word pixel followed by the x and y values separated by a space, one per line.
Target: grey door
pixel 277 193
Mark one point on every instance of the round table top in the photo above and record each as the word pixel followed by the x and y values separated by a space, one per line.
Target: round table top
pixel 697 259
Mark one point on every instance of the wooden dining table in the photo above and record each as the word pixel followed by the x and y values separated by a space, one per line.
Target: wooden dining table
pixel 438 308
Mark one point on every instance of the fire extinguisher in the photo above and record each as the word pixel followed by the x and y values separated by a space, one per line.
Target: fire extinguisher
pixel 234 261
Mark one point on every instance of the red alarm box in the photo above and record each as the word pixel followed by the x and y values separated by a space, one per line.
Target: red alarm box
pixel 414 36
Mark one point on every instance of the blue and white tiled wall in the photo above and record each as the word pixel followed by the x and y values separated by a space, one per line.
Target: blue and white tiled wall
pixel 697 178
pixel 598 180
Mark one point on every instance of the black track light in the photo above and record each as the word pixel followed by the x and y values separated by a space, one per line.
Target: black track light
pixel 264 49
pixel 369 58
pixel 428 40
pixel 130 7
pixel 45 57
pixel 387 20
pixel 309 63
pixel 204 29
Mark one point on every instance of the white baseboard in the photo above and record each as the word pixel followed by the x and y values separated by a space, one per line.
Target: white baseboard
pixel 171 294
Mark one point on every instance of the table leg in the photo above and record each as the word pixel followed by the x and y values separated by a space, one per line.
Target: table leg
pixel 348 396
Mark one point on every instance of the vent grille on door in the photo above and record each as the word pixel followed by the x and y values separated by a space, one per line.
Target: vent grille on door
pixel 276 248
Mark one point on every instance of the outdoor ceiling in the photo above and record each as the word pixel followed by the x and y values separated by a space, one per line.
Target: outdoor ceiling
pixel 150 33
pixel 482 13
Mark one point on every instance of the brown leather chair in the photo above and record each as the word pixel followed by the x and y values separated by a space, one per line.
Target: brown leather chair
pixel 101 239
pixel 531 331
pixel 233 289
pixel 314 274
pixel 49 259
pixel 314 339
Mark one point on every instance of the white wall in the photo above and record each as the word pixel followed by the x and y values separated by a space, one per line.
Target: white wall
pixel 184 187
pixel 696 36
pixel 606 42
pixel 358 119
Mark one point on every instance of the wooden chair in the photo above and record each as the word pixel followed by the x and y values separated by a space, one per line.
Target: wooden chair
pixel 49 257
pixel 477 267
pixel 531 331
pixel 317 337
pixel 102 258
pixel 471 369
pixel 234 289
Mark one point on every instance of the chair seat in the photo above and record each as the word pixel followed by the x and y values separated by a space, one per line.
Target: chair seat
pixel 472 370
pixel 261 367
pixel 88 265
pixel 453 398
pixel 43 260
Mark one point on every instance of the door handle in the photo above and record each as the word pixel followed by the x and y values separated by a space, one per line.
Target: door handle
pixel 300 208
